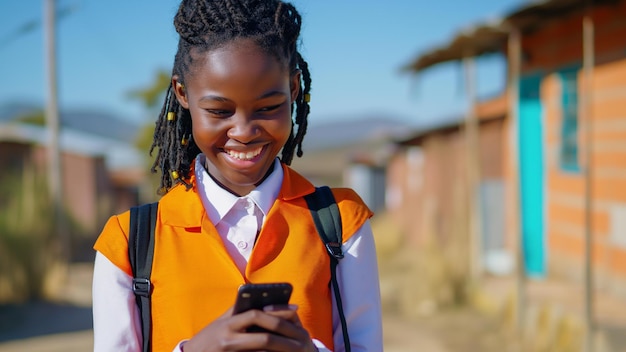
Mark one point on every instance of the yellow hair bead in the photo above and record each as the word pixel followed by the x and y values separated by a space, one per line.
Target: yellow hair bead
pixel 184 141
pixel 171 116
pixel 174 174
pixel 307 98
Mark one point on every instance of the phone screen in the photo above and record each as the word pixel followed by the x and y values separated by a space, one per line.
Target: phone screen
pixel 257 296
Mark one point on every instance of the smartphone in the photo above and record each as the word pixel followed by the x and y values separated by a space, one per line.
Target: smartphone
pixel 257 296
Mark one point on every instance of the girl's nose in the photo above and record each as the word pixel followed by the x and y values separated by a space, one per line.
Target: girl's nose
pixel 244 129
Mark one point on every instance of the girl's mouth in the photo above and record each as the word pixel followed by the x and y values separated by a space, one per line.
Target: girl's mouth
pixel 244 156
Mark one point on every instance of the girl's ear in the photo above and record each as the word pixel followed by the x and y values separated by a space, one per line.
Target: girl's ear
pixel 295 84
pixel 180 92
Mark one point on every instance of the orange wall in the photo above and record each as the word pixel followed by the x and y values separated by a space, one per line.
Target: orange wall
pixel 559 45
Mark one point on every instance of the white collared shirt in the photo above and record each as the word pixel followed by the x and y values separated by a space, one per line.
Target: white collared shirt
pixel 230 213
pixel 357 273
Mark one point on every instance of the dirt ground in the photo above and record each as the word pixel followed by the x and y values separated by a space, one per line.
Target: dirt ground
pixel 461 330
pixel 454 332
pixel 65 326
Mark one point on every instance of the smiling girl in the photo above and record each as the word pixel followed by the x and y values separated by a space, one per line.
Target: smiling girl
pixel 232 211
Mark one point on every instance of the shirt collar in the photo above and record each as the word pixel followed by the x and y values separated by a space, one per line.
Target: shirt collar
pixel 218 202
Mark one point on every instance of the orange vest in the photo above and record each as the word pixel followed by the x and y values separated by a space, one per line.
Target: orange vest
pixel 195 280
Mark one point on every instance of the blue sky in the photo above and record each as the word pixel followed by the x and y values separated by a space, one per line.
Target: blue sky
pixel 354 48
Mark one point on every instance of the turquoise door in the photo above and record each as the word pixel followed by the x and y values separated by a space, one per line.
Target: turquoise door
pixel 531 176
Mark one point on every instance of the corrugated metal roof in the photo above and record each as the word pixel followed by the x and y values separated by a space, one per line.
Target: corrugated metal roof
pixel 93 121
pixel 338 133
pixel 491 37
pixel 117 154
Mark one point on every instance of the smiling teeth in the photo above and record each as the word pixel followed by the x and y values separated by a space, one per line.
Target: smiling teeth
pixel 244 156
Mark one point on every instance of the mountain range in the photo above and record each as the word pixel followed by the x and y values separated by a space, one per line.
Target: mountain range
pixel 90 121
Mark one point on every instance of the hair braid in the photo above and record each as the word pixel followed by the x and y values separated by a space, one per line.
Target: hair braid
pixel 294 143
pixel 206 24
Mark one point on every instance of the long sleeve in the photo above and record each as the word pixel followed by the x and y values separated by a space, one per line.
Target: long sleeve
pixel 359 286
pixel 116 322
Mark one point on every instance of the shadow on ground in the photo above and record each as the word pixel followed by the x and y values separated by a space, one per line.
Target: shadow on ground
pixel 20 321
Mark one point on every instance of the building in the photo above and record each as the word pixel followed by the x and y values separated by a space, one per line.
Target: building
pixel 429 190
pixel 352 152
pixel 100 176
pixel 564 134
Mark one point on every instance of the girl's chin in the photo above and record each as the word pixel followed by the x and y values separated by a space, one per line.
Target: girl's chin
pixel 243 174
pixel 242 185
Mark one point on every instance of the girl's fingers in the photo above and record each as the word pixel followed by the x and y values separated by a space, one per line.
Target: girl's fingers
pixel 282 322
pixel 286 312
pixel 284 331
pixel 274 342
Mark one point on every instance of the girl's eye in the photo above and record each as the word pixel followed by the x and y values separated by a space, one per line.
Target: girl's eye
pixel 270 108
pixel 218 112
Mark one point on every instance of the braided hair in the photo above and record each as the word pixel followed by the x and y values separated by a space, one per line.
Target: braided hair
pixel 204 25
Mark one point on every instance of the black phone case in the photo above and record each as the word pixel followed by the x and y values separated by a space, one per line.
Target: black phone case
pixel 257 296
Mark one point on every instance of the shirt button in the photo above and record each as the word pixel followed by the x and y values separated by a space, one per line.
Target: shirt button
pixel 242 245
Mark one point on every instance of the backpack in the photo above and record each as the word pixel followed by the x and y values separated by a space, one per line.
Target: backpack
pixel 326 217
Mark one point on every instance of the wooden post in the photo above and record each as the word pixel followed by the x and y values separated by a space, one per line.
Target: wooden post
pixel 473 173
pixel 588 64
pixel 515 60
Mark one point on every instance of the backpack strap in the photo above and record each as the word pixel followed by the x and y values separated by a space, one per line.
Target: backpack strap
pixel 141 253
pixel 327 220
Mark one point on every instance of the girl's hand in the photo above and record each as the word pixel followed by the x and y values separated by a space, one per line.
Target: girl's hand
pixel 292 331
pixel 227 333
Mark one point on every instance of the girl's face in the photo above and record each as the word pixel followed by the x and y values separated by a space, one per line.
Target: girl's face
pixel 240 100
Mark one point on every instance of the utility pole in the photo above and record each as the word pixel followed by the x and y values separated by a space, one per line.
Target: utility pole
pixel 55 185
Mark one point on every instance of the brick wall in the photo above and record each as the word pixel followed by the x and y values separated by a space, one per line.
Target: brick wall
pixel 556 46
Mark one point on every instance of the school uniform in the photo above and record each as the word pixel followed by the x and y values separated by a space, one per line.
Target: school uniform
pixel 209 241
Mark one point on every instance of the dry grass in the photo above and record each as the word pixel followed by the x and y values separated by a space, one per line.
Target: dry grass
pixel 548 331
pixel 30 264
pixel 417 281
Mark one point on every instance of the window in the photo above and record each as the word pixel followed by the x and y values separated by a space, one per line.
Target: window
pixel 569 120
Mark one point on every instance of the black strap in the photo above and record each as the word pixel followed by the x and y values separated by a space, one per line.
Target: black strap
pixel 327 220
pixel 141 253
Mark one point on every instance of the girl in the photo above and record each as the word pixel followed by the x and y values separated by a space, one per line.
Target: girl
pixel 232 211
